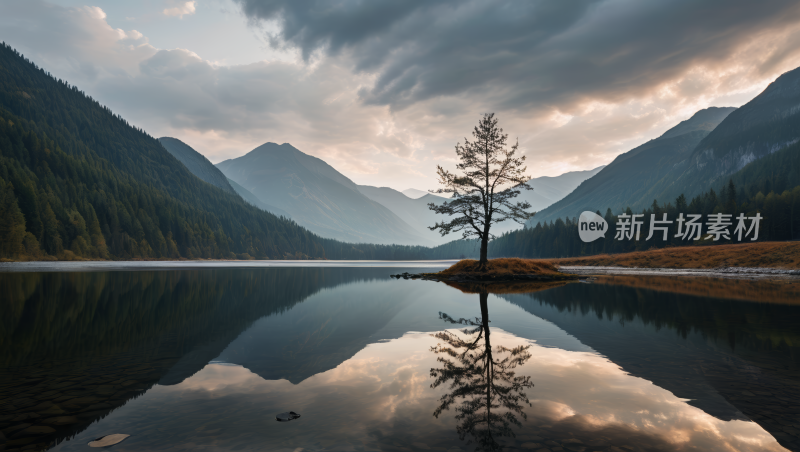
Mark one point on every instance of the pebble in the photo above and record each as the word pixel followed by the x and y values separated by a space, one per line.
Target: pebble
pixel 108 440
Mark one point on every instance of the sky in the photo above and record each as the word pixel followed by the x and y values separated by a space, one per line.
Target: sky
pixel 384 89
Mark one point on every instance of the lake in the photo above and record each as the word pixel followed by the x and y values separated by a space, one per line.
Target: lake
pixel 184 358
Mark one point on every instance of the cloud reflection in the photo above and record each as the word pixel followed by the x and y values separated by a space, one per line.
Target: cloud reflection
pixel 382 396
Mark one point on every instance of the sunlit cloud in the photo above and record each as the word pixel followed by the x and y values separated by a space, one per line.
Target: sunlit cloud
pixel 183 9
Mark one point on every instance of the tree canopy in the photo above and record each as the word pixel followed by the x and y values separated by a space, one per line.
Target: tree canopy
pixel 491 177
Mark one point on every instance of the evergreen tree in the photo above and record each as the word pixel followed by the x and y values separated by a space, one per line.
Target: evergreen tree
pixel 12 222
pixel 481 196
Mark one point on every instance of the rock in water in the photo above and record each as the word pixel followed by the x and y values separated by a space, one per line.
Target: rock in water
pixel 287 416
pixel 108 440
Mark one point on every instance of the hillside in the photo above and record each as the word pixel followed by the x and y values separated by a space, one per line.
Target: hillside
pixel 629 179
pixel 196 163
pixel 77 181
pixel 253 200
pixel 415 212
pixel 201 167
pixel 317 196
pixel 780 255
pixel 548 190
pixel 768 123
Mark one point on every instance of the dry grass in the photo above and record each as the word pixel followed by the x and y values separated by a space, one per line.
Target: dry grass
pixel 767 254
pixel 505 266
pixel 770 291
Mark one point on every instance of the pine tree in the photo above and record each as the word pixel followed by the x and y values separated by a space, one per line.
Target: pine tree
pixel 481 196
pixel 12 222
pixel 51 239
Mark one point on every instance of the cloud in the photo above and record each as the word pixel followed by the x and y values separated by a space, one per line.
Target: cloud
pixel 183 9
pixel 76 44
pixel 524 54
pixel 384 90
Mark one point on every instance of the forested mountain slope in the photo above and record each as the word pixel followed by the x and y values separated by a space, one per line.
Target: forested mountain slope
pixel 766 124
pixel 196 163
pixel 317 196
pixel 630 178
pixel 76 180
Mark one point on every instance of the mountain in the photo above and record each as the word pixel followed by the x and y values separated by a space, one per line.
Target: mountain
pixel 628 181
pixel 201 167
pixel 78 181
pixel 413 193
pixel 768 123
pixel 317 196
pixel 550 189
pixel 196 163
pixel 415 212
pixel 253 200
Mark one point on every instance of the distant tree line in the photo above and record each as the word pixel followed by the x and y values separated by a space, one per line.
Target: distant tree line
pixel 780 212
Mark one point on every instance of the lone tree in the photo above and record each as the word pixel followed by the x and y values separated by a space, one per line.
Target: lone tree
pixel 482 195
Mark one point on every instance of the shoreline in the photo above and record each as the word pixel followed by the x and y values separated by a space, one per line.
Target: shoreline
pixel 723 272
pixel 90 266
pixel 581 271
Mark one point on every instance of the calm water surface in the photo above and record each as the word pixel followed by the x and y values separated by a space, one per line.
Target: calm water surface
pixel 203 359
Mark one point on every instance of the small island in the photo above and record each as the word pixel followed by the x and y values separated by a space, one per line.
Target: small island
pixel 496 270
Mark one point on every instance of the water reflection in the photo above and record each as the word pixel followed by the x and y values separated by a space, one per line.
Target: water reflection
pixel 205 359
pixel 75 347
pixel 481 380
pixel 732 359
pixel 785 290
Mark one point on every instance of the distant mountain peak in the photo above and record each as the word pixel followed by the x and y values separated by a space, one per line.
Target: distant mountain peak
pixel 316 196
pixel 413 193
pixel 274 147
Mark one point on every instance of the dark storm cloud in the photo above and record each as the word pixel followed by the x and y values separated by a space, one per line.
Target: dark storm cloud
pixel 525 54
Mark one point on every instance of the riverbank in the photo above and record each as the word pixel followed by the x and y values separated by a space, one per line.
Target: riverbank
pixel 775 255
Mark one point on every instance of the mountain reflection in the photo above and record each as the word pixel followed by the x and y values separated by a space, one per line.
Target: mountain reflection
pixel 76 346
pixel 488 394
pixel 710 351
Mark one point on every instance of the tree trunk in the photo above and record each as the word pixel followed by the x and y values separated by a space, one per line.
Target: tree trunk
pixel 484 302
pixel 482 263
pixel 484 297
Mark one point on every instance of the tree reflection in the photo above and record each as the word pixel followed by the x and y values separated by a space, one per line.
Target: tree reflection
pixel 487 394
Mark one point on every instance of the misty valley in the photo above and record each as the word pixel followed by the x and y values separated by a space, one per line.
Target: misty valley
pixel 207 358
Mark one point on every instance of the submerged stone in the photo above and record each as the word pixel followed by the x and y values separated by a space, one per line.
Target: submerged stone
pixel 287 416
